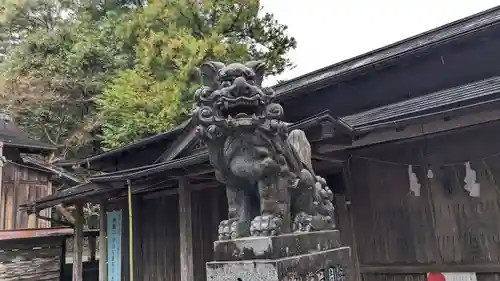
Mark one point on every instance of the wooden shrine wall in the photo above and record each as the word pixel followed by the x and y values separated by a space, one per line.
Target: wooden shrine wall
pixel 19 185
pixel 209 209
pixel 157 235
pixel 410 220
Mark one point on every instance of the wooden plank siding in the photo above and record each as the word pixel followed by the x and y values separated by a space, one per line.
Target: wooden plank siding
pixel 209 208
pixel 32 259
pixel 157 236
pixel 400 236
pixel 19 185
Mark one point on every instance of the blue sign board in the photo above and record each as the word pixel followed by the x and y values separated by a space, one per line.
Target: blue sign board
pixel 114 245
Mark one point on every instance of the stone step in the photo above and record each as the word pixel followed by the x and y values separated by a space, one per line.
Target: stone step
pixel 276 247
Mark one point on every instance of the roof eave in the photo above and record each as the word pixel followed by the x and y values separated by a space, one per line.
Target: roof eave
pixel 122 149
pixel 394 51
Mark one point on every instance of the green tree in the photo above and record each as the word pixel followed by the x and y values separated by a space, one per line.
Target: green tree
pixel 171 38
pixel 19 18
pixel 79 70
pixel 54 68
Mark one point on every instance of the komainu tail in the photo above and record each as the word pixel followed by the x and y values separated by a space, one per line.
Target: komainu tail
pixel 298 141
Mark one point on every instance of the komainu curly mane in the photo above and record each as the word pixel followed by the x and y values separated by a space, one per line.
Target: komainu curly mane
pixel 270 184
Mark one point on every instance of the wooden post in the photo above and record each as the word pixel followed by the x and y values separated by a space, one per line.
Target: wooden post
pixel 78 243
pixel 103 242
pixel 215 208
pixel 65 213
pixel 92 247
pixel 346 173
pixel 2 198
pixel 130 233
pixel 186 231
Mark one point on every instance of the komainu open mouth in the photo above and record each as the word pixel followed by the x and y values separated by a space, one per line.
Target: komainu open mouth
pixel 240 108
pixel 241 111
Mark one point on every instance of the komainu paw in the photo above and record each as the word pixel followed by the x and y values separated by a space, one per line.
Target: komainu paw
pixel 303 223
pixel 266 225
pixel 227 230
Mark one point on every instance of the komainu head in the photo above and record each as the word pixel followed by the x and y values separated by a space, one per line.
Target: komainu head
pixel 232 97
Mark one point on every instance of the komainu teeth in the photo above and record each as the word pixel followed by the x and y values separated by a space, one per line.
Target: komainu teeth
pixel 229 117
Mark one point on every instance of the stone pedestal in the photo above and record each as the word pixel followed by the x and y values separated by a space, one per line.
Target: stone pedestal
pixel 312 256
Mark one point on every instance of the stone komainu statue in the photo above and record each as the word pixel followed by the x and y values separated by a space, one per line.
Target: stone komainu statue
pixel 270 184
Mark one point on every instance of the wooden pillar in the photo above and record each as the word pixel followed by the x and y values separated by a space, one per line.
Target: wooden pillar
pixel 92 247
pixel 103 242
pixel 2 198
pixel 215 208
pixel 346 173
pixel 130 233
pixel 78 243
pixel 186 231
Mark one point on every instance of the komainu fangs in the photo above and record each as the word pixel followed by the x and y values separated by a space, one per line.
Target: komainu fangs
pixel 271 186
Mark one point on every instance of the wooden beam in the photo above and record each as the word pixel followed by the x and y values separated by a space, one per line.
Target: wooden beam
pixel 407 269
pixel 346 174
pixel 65 213
pixel 332 160
pixel 3 204
pixel 438 125
pixel 92 247
pixel 346 230
pixel 175 191
pixel 49 219
pixel 15 213
pixel 78 243
pixel 186 231
pixel 191 172
pixel 130 232
pixel 103 242
pixel 179 145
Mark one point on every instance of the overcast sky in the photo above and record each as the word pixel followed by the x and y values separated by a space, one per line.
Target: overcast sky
pixel 329 31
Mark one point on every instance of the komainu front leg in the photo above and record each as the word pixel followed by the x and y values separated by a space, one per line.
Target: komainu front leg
pixel 303 203
pixel 238 222
pixel 313 204
pixel 274 206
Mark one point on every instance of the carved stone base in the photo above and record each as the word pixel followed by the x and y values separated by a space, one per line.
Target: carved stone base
pixel 298 256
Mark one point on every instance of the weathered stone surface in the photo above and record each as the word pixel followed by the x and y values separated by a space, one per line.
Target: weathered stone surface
pixel 329 265
pixel 275 247
pixel 273 192
pixel 271 186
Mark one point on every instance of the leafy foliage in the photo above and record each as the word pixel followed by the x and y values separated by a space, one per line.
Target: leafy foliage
pixel 19 18
pixel 120 70
pixel 173 38
pixel 51 75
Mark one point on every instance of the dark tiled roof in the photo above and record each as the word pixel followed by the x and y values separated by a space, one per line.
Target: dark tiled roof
pixel 76 192
pixel 359 63
pixel 394 51
pixel 487 89
pixel 39 162
pixel 166 136
pixel 11 135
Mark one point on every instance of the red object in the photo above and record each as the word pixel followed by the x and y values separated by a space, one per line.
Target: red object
pixel 435 277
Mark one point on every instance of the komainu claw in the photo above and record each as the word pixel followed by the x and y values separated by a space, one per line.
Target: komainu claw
pixel 266 225
pixel 303 223
pixel 227 230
